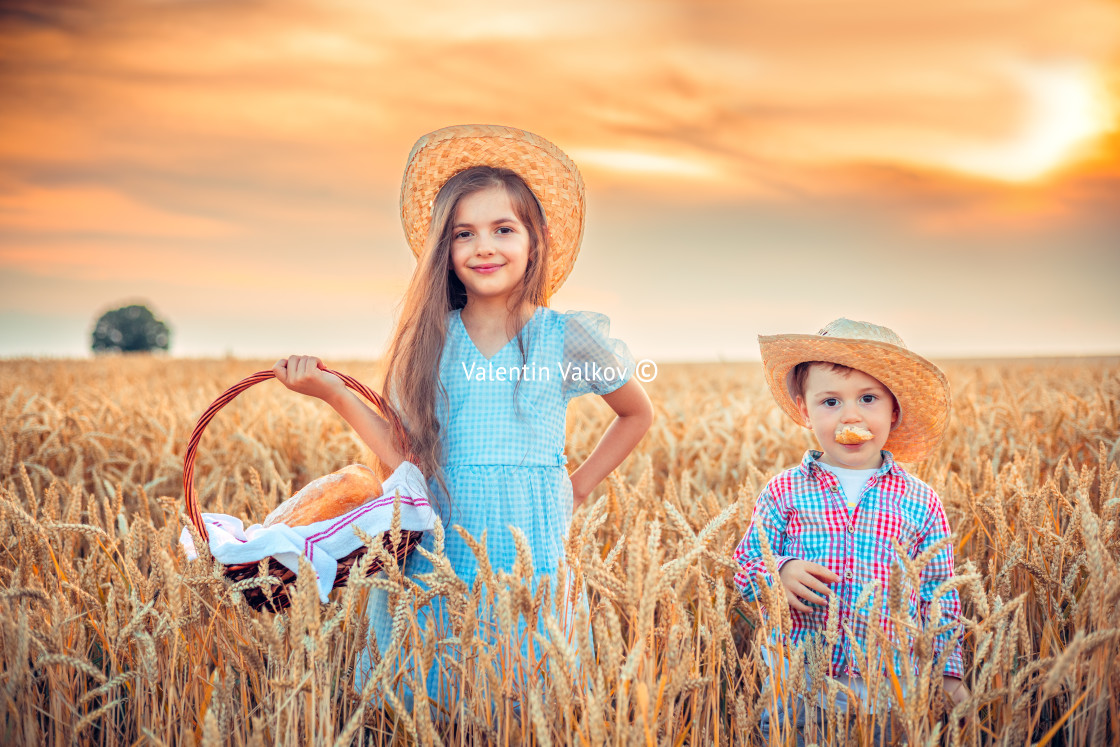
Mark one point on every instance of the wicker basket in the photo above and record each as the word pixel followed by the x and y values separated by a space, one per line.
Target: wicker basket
pixel 257 597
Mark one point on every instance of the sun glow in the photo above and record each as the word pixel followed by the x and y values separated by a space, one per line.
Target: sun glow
pixel 1066 105
pixel 640 163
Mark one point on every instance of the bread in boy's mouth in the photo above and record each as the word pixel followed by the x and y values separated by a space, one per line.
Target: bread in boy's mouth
pixel 327 497
pixel 853 434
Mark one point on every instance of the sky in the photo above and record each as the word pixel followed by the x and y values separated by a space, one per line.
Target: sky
pixel 950 170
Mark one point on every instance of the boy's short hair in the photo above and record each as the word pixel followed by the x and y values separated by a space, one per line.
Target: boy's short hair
pixel 801 373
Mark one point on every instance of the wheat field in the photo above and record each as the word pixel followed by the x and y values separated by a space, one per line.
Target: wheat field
pixel 109 636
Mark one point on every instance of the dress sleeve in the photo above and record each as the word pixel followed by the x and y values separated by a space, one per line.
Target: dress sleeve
pixel 593 361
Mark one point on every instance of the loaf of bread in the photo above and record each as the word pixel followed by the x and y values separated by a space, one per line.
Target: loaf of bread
pixel 852 434
pixel 327 497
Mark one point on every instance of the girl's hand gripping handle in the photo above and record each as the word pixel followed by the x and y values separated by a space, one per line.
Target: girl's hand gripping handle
pixel 307 375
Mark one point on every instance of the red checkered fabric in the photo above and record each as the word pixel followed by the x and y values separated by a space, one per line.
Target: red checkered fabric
pixel 803 514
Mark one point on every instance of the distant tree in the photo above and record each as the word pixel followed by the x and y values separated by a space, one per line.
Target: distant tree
pixel 130 329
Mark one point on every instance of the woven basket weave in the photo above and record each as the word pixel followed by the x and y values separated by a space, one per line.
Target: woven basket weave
pixel 278 600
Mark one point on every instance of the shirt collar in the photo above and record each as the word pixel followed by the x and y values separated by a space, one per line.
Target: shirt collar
pixel 809 464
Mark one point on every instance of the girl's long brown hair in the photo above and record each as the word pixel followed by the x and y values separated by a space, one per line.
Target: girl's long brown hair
pixel 412 369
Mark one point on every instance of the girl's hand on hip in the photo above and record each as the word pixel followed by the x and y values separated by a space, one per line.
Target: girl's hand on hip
pixel 580 492
pixel 305 374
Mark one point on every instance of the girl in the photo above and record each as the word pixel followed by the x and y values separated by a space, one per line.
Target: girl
pixel 480 369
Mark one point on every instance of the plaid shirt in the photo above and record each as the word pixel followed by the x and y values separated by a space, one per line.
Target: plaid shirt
pixel 803 514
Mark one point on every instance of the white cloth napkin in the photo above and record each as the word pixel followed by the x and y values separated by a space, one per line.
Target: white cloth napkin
pixel 324 542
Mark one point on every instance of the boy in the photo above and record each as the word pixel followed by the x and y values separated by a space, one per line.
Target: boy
pixel 831 522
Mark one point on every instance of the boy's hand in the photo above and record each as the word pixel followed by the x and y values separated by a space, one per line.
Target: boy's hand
pixel 800 579
pixel 956 689
pixel 305 374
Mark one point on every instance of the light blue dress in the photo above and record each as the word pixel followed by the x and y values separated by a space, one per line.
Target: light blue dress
pixel 502 444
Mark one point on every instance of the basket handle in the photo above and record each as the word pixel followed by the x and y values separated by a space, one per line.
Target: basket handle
pixel 189 493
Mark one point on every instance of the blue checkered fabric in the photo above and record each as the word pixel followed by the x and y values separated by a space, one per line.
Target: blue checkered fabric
pixel 502 440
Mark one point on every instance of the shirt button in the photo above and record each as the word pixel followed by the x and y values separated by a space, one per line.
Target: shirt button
pixel 849 575
pixel 851 527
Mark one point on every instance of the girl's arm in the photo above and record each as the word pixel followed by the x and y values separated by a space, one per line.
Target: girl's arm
pixel 305 374
pixel 635 415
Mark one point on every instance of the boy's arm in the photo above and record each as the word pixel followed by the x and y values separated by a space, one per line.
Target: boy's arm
pixel 937 571
pixel 768 520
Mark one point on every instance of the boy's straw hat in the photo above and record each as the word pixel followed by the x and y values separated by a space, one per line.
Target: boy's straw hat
pixel 919 386
pixel 551 175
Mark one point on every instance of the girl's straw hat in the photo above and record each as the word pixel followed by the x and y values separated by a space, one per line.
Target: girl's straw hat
pixel 551 175
pixel 919 386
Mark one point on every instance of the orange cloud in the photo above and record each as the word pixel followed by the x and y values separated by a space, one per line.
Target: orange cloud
pixel 97 210
pixel 771 84
pixel 223 138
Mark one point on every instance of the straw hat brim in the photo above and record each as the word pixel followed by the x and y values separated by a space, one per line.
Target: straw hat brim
pixel 919 386
pixel 548 172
